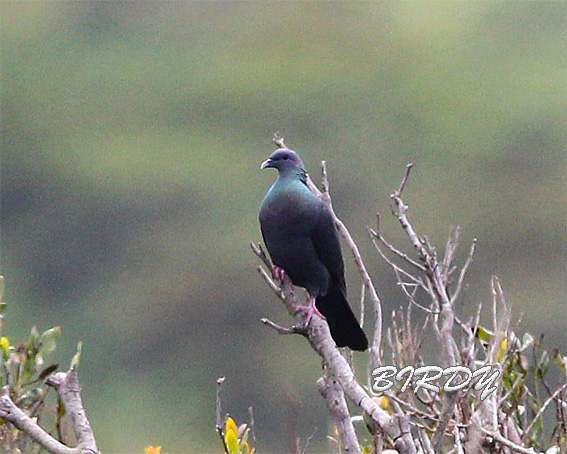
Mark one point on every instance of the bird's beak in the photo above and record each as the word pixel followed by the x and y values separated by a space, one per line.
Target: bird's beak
pixel 267 163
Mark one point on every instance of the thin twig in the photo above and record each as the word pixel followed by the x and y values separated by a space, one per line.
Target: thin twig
pixel 393 249
pixel 542 409
pixel 410 276
pixel 463 272
pixel 252 425
pixel 457 438
pixel 375 350
pixel 501 439
pixel 259 251
pixel 450 251
pixel 279 141
pixel 277 290
pixel 219 425
pixel 405 179
pixel 280 329
pixel 308 441
pixel 362 305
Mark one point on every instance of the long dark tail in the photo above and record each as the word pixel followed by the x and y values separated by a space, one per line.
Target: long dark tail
pixel 344 326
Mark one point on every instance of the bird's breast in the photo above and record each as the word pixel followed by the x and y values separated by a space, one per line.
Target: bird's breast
pixel 287 213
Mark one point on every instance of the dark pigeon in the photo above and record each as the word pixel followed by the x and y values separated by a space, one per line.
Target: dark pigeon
pixel 302 240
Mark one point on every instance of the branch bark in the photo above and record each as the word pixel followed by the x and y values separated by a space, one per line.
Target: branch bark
pixel 334 396
pixel 68 388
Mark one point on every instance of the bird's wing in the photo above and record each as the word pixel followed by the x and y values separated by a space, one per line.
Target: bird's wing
pixel 328 247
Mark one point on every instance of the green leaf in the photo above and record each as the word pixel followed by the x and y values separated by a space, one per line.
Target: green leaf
pixel 561 361
pixel 5 347
pixel 34 336
pixel 245 436
pixel 48 340
pixel 241 429
pixel 48 371
pixel 231 441
pixel 77 357
pixel 527 341
pixel 543 363
pixel 483 334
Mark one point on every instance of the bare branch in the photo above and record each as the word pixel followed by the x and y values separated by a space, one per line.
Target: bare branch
pixel 362 304
pixel 450 250
pixel 317 332
pixel 280 329
pixel 308 441
pixel 252 425
pixel 69 389
pixel 333 393
pixel 410 276
pixel 375 350
pixel 425 442
pixel 11 413
pixel 389 246
pixel 405 179
pixel 501 439
pixel 433 273
pixel 279 141
pixel 270 282
pixel 259 251
pixel 457 438
pixel 550 399
pixel 220 424
pixel 325 183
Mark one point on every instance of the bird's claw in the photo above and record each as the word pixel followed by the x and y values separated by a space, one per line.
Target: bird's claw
pixel 310 310
pixel 279 273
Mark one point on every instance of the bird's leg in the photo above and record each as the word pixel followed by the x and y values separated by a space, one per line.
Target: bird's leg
pixel 311 309
pixel 279 273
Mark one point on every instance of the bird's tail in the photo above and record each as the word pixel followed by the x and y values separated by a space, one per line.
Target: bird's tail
pixel 343 325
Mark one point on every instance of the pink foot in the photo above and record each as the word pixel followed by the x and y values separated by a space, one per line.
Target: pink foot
pixel 279 273
pixel 311 309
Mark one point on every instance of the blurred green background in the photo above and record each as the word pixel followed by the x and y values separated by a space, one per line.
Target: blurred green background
pixel 132 134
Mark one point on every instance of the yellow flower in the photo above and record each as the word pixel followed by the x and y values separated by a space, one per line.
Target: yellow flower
pixel 153 450
pixel 230 425
pixel 382 401
pixel 4 346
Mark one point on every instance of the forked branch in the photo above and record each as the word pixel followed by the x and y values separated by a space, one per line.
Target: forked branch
pixel 68 388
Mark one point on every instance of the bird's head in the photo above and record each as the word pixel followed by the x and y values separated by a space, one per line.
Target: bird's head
pixel 284 160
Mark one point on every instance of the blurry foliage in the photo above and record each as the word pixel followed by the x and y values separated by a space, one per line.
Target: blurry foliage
pixel 526 383
pixel 24 371
pixel 526 377
pixel 131 138
pixel 153 450
pixel 236 439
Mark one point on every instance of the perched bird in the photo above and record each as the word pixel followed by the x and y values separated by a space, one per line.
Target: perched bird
pixel 300 234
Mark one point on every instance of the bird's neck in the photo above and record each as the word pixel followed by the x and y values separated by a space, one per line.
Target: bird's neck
pixel 293 174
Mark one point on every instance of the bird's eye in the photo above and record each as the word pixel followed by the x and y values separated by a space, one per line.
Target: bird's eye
pixel 285 156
